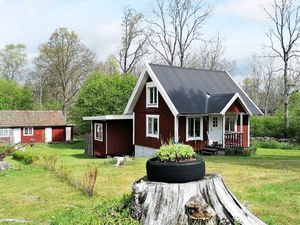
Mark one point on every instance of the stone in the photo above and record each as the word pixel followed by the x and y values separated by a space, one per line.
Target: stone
pixel 4 165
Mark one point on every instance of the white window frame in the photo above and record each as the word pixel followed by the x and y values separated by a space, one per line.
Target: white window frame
pixel 150 85
pixel 187 128
pixel 235 123
pixel 148 117
pixel 28 133
pixel 5 132
pixel 100 138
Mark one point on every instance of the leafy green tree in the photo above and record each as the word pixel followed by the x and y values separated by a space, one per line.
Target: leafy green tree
pixel 13 61
pixel 61 67
pixel 101 95
pixel 14 97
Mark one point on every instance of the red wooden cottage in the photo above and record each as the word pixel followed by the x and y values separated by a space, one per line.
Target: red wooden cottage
pixel 191 106
pixel 26 126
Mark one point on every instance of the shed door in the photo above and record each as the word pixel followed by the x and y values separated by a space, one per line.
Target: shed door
pixel 215 129
pixel 17 135
pixel 68 133
pixel 48 134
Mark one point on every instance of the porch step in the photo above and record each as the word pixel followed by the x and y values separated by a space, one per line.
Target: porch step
pixel 212 151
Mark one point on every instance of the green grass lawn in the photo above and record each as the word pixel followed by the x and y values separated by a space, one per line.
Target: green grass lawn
pixel 269 182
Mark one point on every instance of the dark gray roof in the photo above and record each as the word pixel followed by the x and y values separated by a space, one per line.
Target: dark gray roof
pixel 189 89
pixel 216 103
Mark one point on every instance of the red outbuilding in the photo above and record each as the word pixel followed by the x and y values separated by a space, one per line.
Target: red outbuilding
pixel 25 126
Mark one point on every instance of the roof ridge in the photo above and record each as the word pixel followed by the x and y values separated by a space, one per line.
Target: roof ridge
pixel 188 68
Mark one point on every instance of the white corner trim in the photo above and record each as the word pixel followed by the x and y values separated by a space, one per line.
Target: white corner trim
pixel 187 131
pixel 133 129
pixel 156 117
pixel 106 136
pixel 232 100
pixel 176 127
pixel 244 93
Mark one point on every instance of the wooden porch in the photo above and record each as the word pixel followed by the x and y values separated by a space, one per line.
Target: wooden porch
pixel 234 139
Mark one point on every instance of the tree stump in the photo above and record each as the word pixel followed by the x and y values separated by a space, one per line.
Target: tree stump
pixel 206 202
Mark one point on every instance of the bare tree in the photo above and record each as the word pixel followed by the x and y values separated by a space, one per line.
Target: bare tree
pixel 64 63
pixel 284 33
pixel 211 56
pixel 256 73
pixel 175 26
pixel 109 66
pixel 133 44
pixel 13 61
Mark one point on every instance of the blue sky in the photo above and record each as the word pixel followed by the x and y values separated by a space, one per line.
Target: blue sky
pixel 97 22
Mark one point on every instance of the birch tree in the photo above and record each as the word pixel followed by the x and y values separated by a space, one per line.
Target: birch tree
pixel 284 33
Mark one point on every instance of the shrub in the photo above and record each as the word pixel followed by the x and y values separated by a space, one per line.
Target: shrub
pixel 240 151
pixel 115 210
pixel 26 157
pixel 175 152
pixel 273 144
pixel 5 150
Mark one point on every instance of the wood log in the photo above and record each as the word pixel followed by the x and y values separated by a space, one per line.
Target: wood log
pixel 206 202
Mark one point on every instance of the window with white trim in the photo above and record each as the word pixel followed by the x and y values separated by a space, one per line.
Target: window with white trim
pixel 230 124
pixel 28 131
pixel 215 121
pixel 98 131
pixel 5 132
pixel 151 95
pixel 194 128
pixel 152 126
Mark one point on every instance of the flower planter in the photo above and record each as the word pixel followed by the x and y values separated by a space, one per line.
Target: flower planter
pixel 175 172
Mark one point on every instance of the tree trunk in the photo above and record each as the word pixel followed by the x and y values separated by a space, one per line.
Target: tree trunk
pixel 207 201
pixel 286 97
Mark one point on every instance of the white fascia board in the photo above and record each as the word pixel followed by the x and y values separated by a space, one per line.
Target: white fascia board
pixel 245 94
pixel 109 117
pixel 161 90
pixel 236 96
pixel 136 92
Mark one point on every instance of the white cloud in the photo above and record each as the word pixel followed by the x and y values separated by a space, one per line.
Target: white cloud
pixel 249 9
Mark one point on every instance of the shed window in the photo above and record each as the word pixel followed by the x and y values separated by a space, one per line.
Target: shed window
pixel 215 121
pixel 28 131
pixel 230 124
pixel 194 128
pixel 151 95
pixel 5 132
pixel 99 131
pixel 152 126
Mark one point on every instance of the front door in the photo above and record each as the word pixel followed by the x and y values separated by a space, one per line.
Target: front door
pixel 215 129
pixel 48 134
pixel 17 135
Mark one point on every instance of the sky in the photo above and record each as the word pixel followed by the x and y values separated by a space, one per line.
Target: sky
pixel 242 23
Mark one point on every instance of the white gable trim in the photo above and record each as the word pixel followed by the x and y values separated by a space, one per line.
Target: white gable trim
pixel 244 93
pixel 139 88
pixel 232 100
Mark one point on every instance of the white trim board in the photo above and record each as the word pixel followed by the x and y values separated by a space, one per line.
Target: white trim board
pixel 232 100
pixel 109 117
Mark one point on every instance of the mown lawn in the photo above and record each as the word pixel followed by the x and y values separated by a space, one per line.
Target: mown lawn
pixel 268 182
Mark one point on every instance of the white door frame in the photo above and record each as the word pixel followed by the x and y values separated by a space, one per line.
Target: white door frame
pixel 216 133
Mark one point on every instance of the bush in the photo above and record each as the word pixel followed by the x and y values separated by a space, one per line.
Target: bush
pixel 26 157
pixel 112 211
pixel 273 144
pixel 267 126
pixel 5 150
pixel 175 152
pixel 240 151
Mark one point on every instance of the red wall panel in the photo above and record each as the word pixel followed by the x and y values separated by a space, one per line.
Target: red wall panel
pixel 38 135
pixel 198 144
pixel 166 122
pixel 245 129
pixel 236 107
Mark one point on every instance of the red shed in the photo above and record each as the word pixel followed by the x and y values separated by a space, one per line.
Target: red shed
pixel 112 135
pixel 25 126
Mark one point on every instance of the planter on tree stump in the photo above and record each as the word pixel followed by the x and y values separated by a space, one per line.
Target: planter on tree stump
pixel 206 201
pixel 175 172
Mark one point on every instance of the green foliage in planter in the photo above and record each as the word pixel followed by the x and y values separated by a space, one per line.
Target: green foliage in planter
pixel 114 210
pixel 240 151
pixel 175 152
